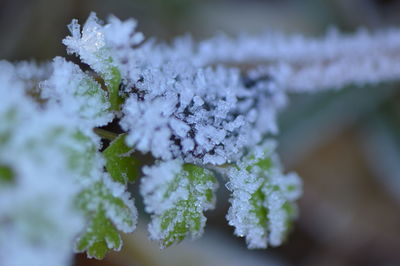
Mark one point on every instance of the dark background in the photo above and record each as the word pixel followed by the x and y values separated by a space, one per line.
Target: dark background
pixel 345 144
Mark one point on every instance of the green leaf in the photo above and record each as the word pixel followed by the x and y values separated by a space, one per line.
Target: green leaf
pixel 177 200
pixel 122 167
pixel 7 175
pixel 107 214
pixel 257 207
pixel 94 97
pixel 90 45
pixel 7 119
pixel 82 156
pixel 112 81
pixel 105 204
pixel 100 237
pixel 111 76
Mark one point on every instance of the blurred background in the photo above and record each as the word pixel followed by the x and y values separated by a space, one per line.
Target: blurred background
pixel 345 144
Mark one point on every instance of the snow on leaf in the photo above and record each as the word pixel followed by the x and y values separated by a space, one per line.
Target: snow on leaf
pixel 262 200
pixel 122 167
pixel 177 195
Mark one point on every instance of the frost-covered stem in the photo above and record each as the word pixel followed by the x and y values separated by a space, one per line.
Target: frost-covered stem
pixel 304 64
pixel 336 73
pixel 105 133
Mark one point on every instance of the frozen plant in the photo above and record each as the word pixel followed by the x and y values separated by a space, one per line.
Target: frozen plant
pixel 64 172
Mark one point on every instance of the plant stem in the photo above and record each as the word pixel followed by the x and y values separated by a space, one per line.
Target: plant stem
pixel 105 134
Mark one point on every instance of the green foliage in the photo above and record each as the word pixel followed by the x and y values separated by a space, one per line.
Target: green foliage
pixel 111 76
pixel 82 157
pixel 112 81
pixel 258 208
pixel 6 175
pixel 91 89
pixel 100 237
pixel 6 120
pixel 107 209
pixel 122 167
pixel 257 201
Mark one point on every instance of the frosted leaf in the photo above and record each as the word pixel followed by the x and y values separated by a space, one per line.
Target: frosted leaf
pixel 37 220
pixel 122 167
pixel 91 47
pixel 106 205
pixel 77 94
pixel 262 201
pixel 7 175
pixel 177 195
pixel 49 162
pixel 109 210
